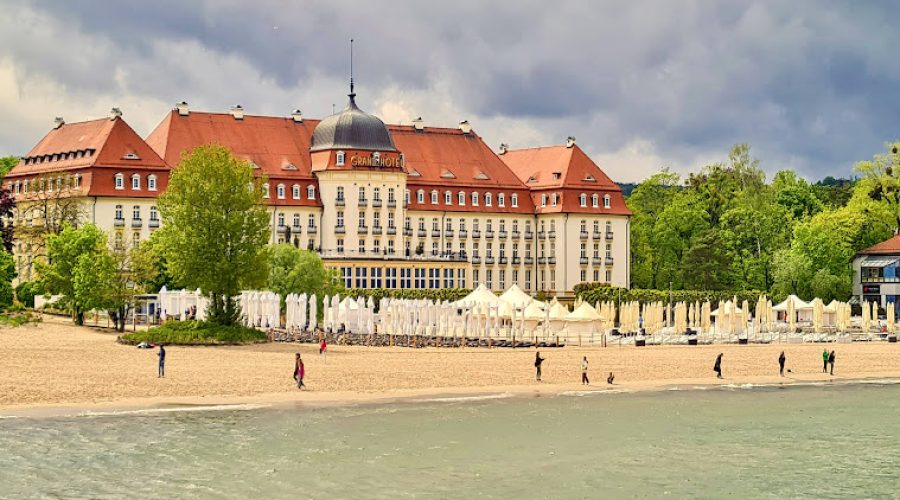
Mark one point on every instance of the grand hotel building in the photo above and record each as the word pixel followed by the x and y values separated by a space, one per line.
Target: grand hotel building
pixel 395 206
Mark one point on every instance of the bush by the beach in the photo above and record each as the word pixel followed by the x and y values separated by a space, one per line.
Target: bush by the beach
pixel 435 294
pixel 18 315
pixel 602 292
pixel 26 291
pixel 195 333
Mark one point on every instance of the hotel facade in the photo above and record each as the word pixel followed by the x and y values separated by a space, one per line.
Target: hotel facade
pixel 389 206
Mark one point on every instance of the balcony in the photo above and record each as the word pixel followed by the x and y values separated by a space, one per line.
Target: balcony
pixel 551 234
pixel 311 230
pixel 392 203
pixel 608 261
pixel 529 235
pixel 422 233
pixel 362 230
pixel 597 261
pixel 583 261
pixel 340 229
pixel 597 235
pixel 137 222
pixel 529 261
pixel 391 230
pixel 340 202
pixel 516 235
pixel 119 222
pixel 435 233
pixel 297 229
pixel 489 234
pixel 153 223
pixel 503 261
pixel 376 230
pixel 463 233
pixel 448 233
pixel 583 235
pixel 516 260
pixel 407 231
pixel 362 202
pixel 376 203
pixel 488 260
pixel 281 229
pixel 609 235
pixel 476 233
pixel 476 260
pixel 541 235
pixel 502 235
pixel 542 260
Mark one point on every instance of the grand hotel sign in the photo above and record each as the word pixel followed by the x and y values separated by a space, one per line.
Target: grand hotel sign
pixel 376 160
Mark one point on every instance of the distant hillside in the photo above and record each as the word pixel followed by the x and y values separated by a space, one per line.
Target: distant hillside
pixel 627 187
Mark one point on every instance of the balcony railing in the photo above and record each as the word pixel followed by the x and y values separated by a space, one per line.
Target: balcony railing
pixel 542 260
pixel 529 235
pixel 120 222
pixel 476 233
pixel 488 260
pixel 583 235
pixel 137 222
pixel 448 233
pixel 391 230
pixel 340 202
pixel 551 234
pixel 597 235
pixel 609 235
pixel 340 229
pixel 463 233
pixel 597 261
pixel 281 229
pixel 311 229
pixel 608 261
pixel 362 202
pixel 376 203
pixel 529 261
pixel 516 235
pixel 503 261
pixel 407 231
pixel 376 230
pixel 362 230
pixel 392 203
pixel 583 261
pixel 476 260
pixel 551 260
pixel 502 234
pixel 516 260
pixel 422 233
pixel 541 235
pixel 435 233
pixel 153 223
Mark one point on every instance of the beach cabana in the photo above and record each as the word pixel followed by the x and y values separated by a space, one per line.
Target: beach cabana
pixel 803 311
pixel 583 320
pixel 516 297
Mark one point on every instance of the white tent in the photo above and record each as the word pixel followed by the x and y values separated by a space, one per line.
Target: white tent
pixel 803 310
pixel 515 296
pixel 480 295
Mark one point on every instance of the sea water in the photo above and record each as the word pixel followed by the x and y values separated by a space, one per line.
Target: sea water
pixel 741 442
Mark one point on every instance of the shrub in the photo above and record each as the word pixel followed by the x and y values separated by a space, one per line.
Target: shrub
pixel 434 294
pixel 601 292
pixel 26 291
pixel 195 333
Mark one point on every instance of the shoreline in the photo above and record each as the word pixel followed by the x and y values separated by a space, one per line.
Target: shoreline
pixel 311 399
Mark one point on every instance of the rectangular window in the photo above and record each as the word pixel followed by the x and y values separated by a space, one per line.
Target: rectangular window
pixel 405 277
pixel 461 277
pixel 375 280
pixel 391 277
pixel 448 278
pixel 340 245
pixel 347 273
pixel 608 276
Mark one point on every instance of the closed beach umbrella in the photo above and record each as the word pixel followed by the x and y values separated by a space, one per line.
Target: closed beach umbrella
pixel 313 310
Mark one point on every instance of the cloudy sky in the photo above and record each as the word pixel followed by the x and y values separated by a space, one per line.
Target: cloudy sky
pixel 813 86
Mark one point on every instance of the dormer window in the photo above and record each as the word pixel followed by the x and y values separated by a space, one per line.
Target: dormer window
pixel 582 200
pixel 488 199
pixel 501 200
pixel 420 196
pixel 556 176
pixel 151 182
pixel 514 199
pixel 590 178
pixel 475 199
pixel 131 156
pixel 434 197
pixel 120 181
pixel 339 159
pixel 461 198
pixel 606 201
pixel 406 197
pixel 136 182
pixel 311 193
pixel 448 198
pixel 554 199
pixel 265 190
pixel 279 191
pixel 543 200
pixel 295 191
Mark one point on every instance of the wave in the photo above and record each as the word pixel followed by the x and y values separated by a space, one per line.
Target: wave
pixel 594 393
pixel 462 399
pixel 175 409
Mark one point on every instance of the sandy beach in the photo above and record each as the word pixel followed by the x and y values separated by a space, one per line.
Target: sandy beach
pixel 55 365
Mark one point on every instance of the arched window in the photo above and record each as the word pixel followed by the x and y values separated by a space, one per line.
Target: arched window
pixel 543 200
pixel 339 159
pixel 311 193
pixel 514 199
pixel 553 199
pixel 501 200
pixel 461 198
pixel 119 215
pixel 475 199
pixel 606 201
pixel 295 191
pixel 582 200
pixel 434 197
pixel 406 197
pixel 136 182
pixel 151 182
pixel 420 196
pixel 120 181
pixel 279 190
pixel 488 199
pixel 448 198
pixel 595 200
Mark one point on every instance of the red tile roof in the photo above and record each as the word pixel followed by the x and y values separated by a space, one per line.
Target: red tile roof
pixel 568 172
pixel 888 247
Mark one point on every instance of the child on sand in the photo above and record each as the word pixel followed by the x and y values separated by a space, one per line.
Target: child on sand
pixel 781 360
pixel 537 365
pixel 584 370
pixel 718 366
pixel 299 372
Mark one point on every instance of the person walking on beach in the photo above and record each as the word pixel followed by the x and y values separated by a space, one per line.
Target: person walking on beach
pixel 322 346
pixel 537 365
pixel 781 360
pixel 610 378
pixel 831 362
pixel 718 366
pixel 825 361
pixel 162 362
pixel 299 372
pixel 584 369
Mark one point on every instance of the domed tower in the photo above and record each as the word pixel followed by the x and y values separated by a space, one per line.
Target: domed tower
pixel 362 182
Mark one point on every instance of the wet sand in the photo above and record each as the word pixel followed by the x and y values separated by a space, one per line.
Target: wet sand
pixel 57 365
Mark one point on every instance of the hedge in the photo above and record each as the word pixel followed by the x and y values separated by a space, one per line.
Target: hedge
pixel 601 292
pixel 434 294
pixel 195 333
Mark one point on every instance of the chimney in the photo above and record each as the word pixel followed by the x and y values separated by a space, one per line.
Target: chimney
pixel 58 122
pixel 237 111
pixel 115 113
pixel 419 124
pixel 570 142
pixel 465 127
pixel 504 147
pixel 182 108
pixel 297 115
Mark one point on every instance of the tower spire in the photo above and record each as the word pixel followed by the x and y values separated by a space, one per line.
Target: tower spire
pixel 352 94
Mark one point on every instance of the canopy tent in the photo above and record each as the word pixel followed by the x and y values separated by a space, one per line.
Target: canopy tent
pixel 478 296
pixel 803 311
pixel 516 297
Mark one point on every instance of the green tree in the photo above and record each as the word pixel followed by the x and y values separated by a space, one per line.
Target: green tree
pixel 708 264
pixel 795 195
pixel 881 180
pixel 673 233
pixel 216 228
pixel 7 274
pixel 101 281
pixel 753 232
pixel 6 164
pixel 647 202
pixel 292 270
pixel 793 273
pixel 57 275
pixel 149 268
